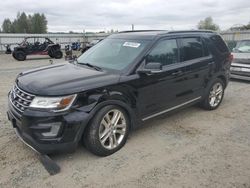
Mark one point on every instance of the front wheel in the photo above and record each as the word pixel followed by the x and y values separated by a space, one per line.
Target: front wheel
pixel 50 54
pixel 108 131
pixel 215 95
pixel 19 55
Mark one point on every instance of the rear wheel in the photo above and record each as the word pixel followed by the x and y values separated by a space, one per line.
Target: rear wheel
pixel 19 55
pixel 57 54
pixel 13 55
pixel 215 95
pixel 108 131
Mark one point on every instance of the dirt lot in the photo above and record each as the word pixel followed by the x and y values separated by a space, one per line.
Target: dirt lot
pixel 192 148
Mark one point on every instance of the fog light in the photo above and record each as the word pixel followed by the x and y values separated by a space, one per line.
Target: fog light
pixel 54 129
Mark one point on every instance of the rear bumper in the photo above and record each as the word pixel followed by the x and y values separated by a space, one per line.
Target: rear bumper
pixel 28 129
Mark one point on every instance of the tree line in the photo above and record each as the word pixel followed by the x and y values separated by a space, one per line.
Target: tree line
pixel 36 23
pixel 209 24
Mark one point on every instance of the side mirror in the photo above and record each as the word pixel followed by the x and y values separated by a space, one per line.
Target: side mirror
pixel 151 68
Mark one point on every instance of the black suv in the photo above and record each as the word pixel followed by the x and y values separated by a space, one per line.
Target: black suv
pixel 116 85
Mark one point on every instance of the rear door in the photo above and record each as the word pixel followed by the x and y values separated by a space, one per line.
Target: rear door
pixel 195 56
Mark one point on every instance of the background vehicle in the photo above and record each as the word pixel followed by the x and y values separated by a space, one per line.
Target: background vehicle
pixel 37 46
pixel 91 44
pixel 76 46
pixel 240 67
pixel 115 86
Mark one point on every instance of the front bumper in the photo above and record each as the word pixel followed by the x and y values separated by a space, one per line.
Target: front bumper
pixel 27 126
pixel 240 71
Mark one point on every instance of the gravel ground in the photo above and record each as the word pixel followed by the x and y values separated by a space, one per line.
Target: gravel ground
pixel 191 148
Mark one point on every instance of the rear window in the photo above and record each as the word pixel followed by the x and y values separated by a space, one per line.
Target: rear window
pixel 219 43
pixel 191 48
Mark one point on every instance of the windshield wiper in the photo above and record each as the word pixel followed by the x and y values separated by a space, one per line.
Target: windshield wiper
pixel 90 65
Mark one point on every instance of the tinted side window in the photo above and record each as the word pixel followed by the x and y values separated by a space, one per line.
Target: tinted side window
pixel 165 52
pixel 191 48
pixel 219 43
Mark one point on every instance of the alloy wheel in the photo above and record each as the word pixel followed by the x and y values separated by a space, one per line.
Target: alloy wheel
pixel 216 94
pixel 112 129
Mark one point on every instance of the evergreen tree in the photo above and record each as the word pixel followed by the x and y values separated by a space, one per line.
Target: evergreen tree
pixel 208 24
pixel 23 24
pixel 6 26
pixel 36 23
pixel 39 23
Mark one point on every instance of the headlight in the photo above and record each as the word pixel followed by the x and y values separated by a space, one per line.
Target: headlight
pixel 53 103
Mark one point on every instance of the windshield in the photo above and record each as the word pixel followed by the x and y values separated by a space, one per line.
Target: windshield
pixel 114 54
pixel 242 47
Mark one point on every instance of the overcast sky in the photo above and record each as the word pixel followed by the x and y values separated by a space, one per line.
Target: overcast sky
pixel 96 15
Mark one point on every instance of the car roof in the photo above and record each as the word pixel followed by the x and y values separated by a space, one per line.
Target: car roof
pixel 151 34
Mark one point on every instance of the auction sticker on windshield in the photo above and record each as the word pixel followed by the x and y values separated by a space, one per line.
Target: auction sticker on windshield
pixel 132 44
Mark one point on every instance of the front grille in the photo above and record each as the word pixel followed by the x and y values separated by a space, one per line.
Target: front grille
pixel 20 99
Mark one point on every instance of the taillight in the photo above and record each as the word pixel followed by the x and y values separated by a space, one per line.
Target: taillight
pixel 230 57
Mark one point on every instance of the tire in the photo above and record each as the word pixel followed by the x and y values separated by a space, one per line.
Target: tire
pixel 19 55
pixel 57 54
pixel 50 54
pixel 100 136
pixel 214 95
pixel 13 55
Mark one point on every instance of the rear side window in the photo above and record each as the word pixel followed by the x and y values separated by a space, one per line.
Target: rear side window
pixel 219 43
pixel 165 52
pixel 191 48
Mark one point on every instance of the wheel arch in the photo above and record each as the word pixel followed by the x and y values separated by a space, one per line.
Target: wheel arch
pixel 20 50
pixel 118 95
pixel 220 76
pixel 223 78
pixel 115 102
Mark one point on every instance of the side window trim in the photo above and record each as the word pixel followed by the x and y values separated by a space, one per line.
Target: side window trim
pixel 164 39
pixel 203 48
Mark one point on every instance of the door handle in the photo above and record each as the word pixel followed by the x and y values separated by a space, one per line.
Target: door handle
pixel 177 73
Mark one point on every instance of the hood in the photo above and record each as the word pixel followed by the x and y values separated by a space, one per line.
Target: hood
pixel 241 57
pixel 63 79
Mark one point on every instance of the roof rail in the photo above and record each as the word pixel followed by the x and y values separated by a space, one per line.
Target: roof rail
pixel 192 31
pixel 135 31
